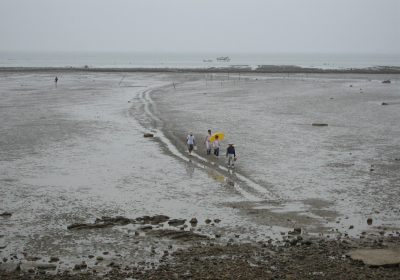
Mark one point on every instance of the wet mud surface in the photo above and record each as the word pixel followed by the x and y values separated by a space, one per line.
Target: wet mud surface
pixel 83 191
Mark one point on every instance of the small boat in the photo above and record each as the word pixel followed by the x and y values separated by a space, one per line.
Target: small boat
pixel 209 60
pixel 223 59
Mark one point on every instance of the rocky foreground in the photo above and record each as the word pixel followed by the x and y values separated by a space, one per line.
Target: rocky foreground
pixel 298 258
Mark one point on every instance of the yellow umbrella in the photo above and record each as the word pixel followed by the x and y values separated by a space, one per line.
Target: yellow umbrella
pixel 219 134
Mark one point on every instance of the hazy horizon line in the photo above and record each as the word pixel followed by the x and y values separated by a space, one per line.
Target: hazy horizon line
pixel 177 52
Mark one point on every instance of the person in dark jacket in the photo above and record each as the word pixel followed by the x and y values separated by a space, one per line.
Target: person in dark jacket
pixel 230 154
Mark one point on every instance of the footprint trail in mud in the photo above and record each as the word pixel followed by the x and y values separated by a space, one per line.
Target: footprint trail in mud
pixel 259 193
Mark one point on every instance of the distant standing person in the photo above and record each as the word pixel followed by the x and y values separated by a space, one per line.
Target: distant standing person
pixel 207 142
pixel 56 79
pixel 191 142
pixel 216 146
pixel 230 153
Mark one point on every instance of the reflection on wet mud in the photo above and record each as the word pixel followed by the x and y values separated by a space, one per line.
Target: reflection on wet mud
pixel 190 169
pixel 214 175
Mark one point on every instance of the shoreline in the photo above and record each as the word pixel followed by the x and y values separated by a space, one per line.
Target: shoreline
pixel 231 69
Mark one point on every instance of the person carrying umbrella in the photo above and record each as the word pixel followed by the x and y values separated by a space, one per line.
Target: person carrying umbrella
pixel 230 154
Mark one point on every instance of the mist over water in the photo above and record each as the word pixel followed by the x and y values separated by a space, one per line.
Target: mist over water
pixel 194 59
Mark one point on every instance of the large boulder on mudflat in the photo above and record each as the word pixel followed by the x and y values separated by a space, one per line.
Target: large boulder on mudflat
pixel 377 257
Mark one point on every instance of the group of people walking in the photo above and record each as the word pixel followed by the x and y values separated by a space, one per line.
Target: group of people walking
pixel 230 151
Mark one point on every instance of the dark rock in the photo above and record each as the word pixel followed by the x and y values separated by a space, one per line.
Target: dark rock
pixel 103 222
pixel 193 221
pixel 386 82
pixel 369 221
pixel 208 221
pixel 385 103
pixel 33 259
pixel 218 235
pixel 46 266
pixel 176 222
pixel 294 241
pixel 176 234
pixel 6 214
pixel 156 218
pixel 54 259
pixel 105 253
pixel 298 230
pixel 31 270
pixel 144 228
pixel 351 227
pixel 320 124
pixel 148 135
pixel 90 256
pixel 77 266
pixel 217 221
pixel 306 242
pixel 83 265
pixel 99 258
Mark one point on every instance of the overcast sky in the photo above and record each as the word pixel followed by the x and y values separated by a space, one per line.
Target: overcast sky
pixel 215 25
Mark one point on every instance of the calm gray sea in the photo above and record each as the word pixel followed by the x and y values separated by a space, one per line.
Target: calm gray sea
pixel 190 60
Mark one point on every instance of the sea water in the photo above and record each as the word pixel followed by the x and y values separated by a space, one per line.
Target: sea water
pixel 194 59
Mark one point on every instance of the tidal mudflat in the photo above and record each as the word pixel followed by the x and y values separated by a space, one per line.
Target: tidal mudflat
pixel 73 153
